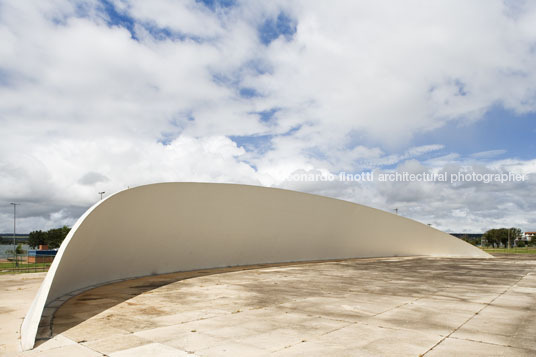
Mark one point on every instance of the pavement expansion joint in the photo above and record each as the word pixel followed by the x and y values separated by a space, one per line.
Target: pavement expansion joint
pixel 480 341
pixel 476 313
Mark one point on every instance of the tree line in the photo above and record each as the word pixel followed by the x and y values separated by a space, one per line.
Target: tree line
pixel 499 237
pixel 53 237
pixel 506 237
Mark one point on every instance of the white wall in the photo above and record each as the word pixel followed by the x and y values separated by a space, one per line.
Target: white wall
pixel 170 227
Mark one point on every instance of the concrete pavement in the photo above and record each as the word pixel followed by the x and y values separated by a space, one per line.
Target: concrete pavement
pixel 360 307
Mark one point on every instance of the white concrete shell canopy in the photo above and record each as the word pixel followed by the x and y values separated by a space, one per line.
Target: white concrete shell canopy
pixel 170 227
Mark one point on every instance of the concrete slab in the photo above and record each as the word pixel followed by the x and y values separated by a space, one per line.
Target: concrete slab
pixel 429 315
pixel 114 343
pixel 16 295
pixel 55 342
pixel 64 351
pixel 364 307
pixel 152 349
pixel 502 326
pixel 380 341
pixel 185 336
pixel 233 349
pixel 453 347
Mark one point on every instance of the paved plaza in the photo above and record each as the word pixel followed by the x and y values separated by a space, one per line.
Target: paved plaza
pixel 360 307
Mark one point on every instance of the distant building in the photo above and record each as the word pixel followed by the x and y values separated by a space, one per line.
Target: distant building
pixel 41 255
pixel 467 235
pixel 529 236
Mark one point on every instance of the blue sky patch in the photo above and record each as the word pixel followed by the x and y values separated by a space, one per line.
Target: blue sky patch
pixel 165 33
pixel 259 66
pixel 271 28
pixel 247 92
pixel 167 138
pixel 234 78
pixel 116 18
pixel 499 129
pixel 462 91
pixel 292 130
pixel 256 143
pixel 179 122
pixel 217 4
pixel 5 78
pixel 267 116
pixel 225 80
pixel 260 143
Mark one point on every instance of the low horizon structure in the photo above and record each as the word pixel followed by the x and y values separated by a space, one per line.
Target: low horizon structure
pixel 171 227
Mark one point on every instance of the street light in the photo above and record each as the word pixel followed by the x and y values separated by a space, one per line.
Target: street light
pixel 101 193
pixel 15 231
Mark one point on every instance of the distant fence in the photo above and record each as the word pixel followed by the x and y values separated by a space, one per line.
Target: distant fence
pixel 26 262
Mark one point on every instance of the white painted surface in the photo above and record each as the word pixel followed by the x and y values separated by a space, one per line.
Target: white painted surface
pixel 170 227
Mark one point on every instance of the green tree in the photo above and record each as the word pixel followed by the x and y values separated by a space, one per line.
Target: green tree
pixel 37 238
pixel 56 235
pixel 19 249
pixel 513 233
pixel 470 240
pixel 500 236
pixel 532 242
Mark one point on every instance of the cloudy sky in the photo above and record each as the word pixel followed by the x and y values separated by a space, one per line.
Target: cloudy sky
pixel 101 95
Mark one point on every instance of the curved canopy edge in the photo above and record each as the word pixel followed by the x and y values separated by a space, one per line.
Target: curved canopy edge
pixel 170 227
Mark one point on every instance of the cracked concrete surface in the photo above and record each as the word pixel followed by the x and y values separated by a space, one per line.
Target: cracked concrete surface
pixel 359 307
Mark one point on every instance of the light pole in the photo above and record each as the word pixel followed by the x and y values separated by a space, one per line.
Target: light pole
pixel 396 210
pixel 101 193
pixel 15 231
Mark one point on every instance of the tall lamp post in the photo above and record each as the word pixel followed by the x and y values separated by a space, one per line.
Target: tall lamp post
pixel 101 193
pixel 15 231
